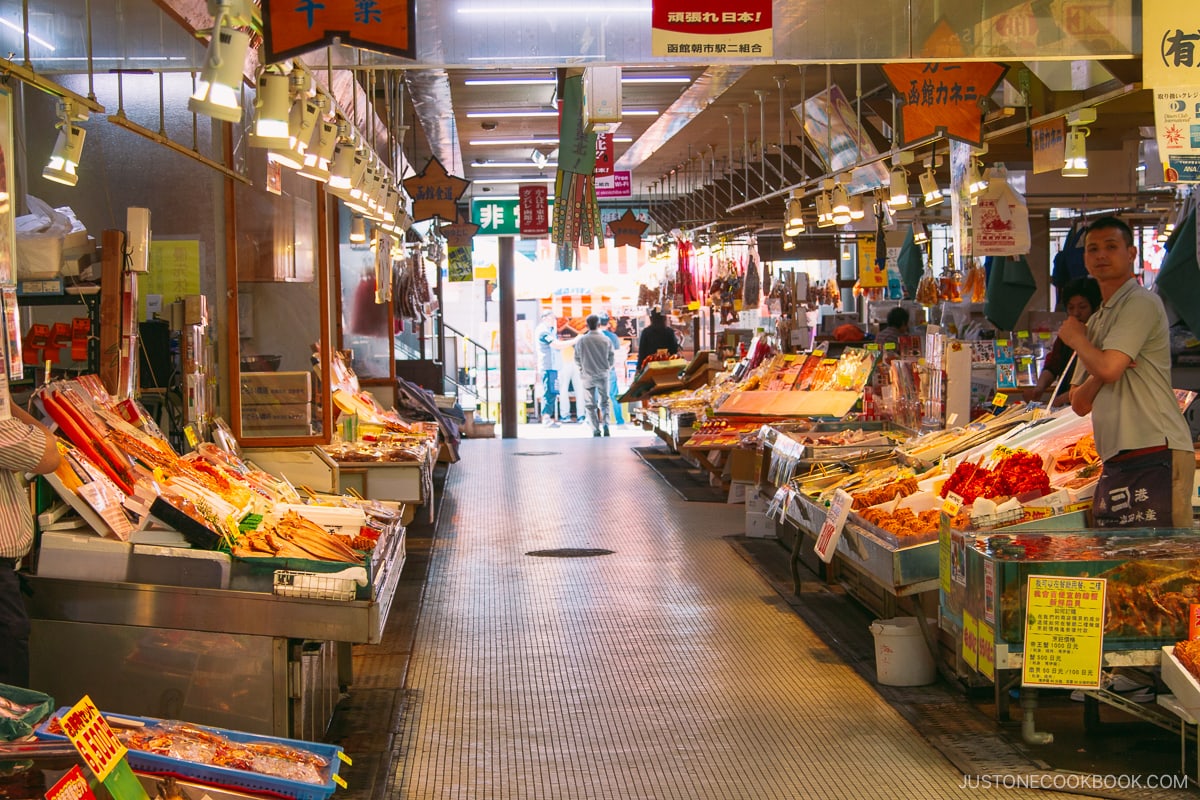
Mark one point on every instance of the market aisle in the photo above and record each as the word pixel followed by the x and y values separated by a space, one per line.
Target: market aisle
pixel 668 669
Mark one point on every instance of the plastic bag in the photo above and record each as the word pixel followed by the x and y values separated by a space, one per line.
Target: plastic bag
pixel 927 290
pixel 39 241
pixel 1000 221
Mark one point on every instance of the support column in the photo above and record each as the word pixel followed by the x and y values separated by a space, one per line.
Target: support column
pixel 508 340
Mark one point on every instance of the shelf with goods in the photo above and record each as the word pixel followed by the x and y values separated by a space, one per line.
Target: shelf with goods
pixel 204 561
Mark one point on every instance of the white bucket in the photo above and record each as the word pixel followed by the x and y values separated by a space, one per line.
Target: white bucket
pixel 901 656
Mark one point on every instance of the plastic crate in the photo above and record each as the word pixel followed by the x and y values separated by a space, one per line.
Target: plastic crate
pixel 291 583
pixel 224 777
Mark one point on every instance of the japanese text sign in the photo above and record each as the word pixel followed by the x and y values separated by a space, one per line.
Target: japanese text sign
pixel 71 786
pixel 1170 34
pixel 500 217
pixel 435 193
pixel 292 27
pixel 95 741
pixel 604 154
pixel 711 28
pixel 970 640
pixel 535 204
pixel 943 98
pixel 1049 144
pixel 1064 631
pixel 616 184
pixel 831 530
pixel 1177 125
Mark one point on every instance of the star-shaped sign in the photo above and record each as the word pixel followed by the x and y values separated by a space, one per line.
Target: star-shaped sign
pixel 627 230
pixel 459 234
pixel 435 193
pixel 943 97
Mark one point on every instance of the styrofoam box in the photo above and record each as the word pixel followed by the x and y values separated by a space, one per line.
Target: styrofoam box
pixel 179 566
pixel 1183 684
pixel 756 502
pixel 83 556
pixel 760 526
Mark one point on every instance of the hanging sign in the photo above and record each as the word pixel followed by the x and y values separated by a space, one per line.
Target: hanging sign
pixel 831 125
pixel 835 521
pixel 500 217
pixel 535 208
pixel 459 268
pixel 292 27
pixel 1177 125
pixel 460 233
pixel 618 184
pixel 435 193
pixel 627 230
pixel 943 98
pixel 1170 32
pixel 604 154
pixel 1049 143
pixel 970 640
pixel 712 28
pixel 1064 632
pixel 870 273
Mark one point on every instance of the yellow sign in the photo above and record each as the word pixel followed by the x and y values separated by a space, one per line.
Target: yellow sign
pixel 999 400
pixel 944 553
pixel 95 741
pixel 1168 38
pixel 174 272
pixel 952 504
pixel 486 272
pixel 870 275
pixel 970 640
pixel 987 651
pixel 1064 632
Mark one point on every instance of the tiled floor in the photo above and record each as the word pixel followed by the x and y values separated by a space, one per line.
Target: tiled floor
pixel 668 669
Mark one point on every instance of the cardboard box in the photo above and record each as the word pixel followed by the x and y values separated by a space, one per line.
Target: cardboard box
pixel 743 465
pixel 279 415
pixel 276 388
pixel 195 309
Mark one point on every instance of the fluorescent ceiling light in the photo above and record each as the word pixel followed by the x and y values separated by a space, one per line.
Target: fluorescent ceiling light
pixel 505 181
pixel 582 9
pixel 628 112
pixel 656 79
pixel 512 164
pixel 544 140
pixel 14 27
pixel 109 58
pixel 510 81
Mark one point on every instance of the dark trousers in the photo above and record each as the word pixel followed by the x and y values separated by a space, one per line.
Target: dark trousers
pixel 14 629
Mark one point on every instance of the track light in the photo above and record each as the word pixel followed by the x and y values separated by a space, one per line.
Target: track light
pixel 920 235
pixel 857 211
pixel 216 92
pixel 840 205
pixel 271 104
pixel 789 243
pixel 975 182
pixel 64 159
pixel 342 170
pixel 793 222
pixel 929 188
pixel 1075 163
pixel 316 160
pixel 898 197
pixel 824 210
pixel 358 230
pixel 301 121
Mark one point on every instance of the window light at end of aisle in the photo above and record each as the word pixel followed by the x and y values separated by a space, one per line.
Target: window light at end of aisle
pixel 271 106
pixel 218 89
pixel 358 230
pixel 64 159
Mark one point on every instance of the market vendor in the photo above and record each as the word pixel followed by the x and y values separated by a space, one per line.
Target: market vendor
pixel 25 446
pixel 1123 380
pixel 1082 298
pixel 656 336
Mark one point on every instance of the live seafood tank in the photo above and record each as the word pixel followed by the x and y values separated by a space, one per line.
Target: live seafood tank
pixel 1153 575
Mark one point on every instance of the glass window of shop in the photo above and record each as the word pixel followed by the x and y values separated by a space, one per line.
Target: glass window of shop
pixel 366 279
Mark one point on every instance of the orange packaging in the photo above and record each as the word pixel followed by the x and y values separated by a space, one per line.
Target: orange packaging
pixel 1193 622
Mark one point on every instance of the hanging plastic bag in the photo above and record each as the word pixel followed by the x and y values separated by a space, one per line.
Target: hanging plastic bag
pixel 974 288
pixel 927 290
pixel 1000 221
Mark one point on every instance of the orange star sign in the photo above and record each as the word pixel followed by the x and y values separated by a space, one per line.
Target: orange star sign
pixel 459 234
pixel 435 193
pixel 627 230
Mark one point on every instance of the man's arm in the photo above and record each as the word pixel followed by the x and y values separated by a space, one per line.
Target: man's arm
pixel 50 457
pixel 1083 395
pixel 1107 365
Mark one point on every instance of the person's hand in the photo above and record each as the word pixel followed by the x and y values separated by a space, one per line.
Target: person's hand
pixel 1031 393
pixel 1073 333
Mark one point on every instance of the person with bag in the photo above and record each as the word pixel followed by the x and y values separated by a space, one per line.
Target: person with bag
pixel 1123 378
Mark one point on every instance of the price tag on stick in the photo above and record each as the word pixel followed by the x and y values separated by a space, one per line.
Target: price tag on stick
pixel 831 530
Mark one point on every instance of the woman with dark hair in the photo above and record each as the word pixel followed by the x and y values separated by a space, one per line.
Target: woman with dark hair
pixel 1082 299
pixel 656 336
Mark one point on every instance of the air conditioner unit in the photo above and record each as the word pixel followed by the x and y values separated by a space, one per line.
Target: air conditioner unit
pixel 601 96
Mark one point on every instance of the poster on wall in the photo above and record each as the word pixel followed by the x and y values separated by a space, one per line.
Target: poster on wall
pixel 8 241
pixel 12 333
pixel 458 261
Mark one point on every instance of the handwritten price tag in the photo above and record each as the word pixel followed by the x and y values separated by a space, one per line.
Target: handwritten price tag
pixel 1000 400
pixel 952 504
pixel 95 741
pixel 831 530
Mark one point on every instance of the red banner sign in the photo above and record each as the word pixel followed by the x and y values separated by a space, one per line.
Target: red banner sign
pixel 292 27
pixel 604 154
pixel 535 216
pixel 943 98
pixel 712 28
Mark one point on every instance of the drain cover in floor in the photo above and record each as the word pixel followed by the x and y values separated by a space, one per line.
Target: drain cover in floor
pixel 570 552
pixel 538 453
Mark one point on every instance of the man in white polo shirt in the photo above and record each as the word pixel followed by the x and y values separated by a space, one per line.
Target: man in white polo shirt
pixel 1124 379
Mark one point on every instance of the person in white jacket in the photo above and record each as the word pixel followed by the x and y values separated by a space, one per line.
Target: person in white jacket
pixel 594 357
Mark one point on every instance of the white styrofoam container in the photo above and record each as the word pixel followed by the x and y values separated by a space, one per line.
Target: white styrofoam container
pixel 760 526
pixel 83 556
pixel 1183 684
pixel 179 566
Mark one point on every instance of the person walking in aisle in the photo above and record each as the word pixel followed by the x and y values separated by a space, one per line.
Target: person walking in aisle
pixel 1123 379
pixel 25 446
pixel 618 358
pixel 656 336
pixel 594 356
pixel 547 341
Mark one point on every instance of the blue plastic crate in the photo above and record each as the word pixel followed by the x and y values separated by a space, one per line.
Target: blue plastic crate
pixel 224 777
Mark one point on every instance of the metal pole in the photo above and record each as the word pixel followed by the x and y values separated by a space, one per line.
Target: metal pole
pixel 746 146
pixel 781 81
pixel 762 136
pixel 508 339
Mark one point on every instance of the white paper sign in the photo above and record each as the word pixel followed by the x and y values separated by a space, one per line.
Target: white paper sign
pixel 831 530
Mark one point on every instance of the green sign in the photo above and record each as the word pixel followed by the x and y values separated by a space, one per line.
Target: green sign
pixel 498 217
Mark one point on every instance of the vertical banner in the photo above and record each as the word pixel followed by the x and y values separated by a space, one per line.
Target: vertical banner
pixel 1170 31
pixel 459 268
pixel 604 154
pixel 534 213
pixel 713 28
pixel 8 236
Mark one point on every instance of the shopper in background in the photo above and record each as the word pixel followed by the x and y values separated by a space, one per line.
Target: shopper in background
pixel 25 446
pixel 1123 379
pixel 897 326
pixel 594 355
pixel 618 346
pixel 1082 298
pixel 547 339
pixel 656 336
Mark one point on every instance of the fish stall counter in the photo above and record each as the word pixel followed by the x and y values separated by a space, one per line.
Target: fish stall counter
pixel 260 644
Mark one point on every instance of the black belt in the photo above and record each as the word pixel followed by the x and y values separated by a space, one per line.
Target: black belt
pixel 11 563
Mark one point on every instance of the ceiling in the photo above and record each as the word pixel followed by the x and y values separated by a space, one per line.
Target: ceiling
pixel 706 150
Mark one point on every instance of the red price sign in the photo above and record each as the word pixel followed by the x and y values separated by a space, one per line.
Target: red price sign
pixel 95 741
pixel 72 786
pixel 831 530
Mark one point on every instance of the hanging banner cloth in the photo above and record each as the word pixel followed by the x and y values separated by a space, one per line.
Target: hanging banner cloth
pixel 576 211
pixel 1178 282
